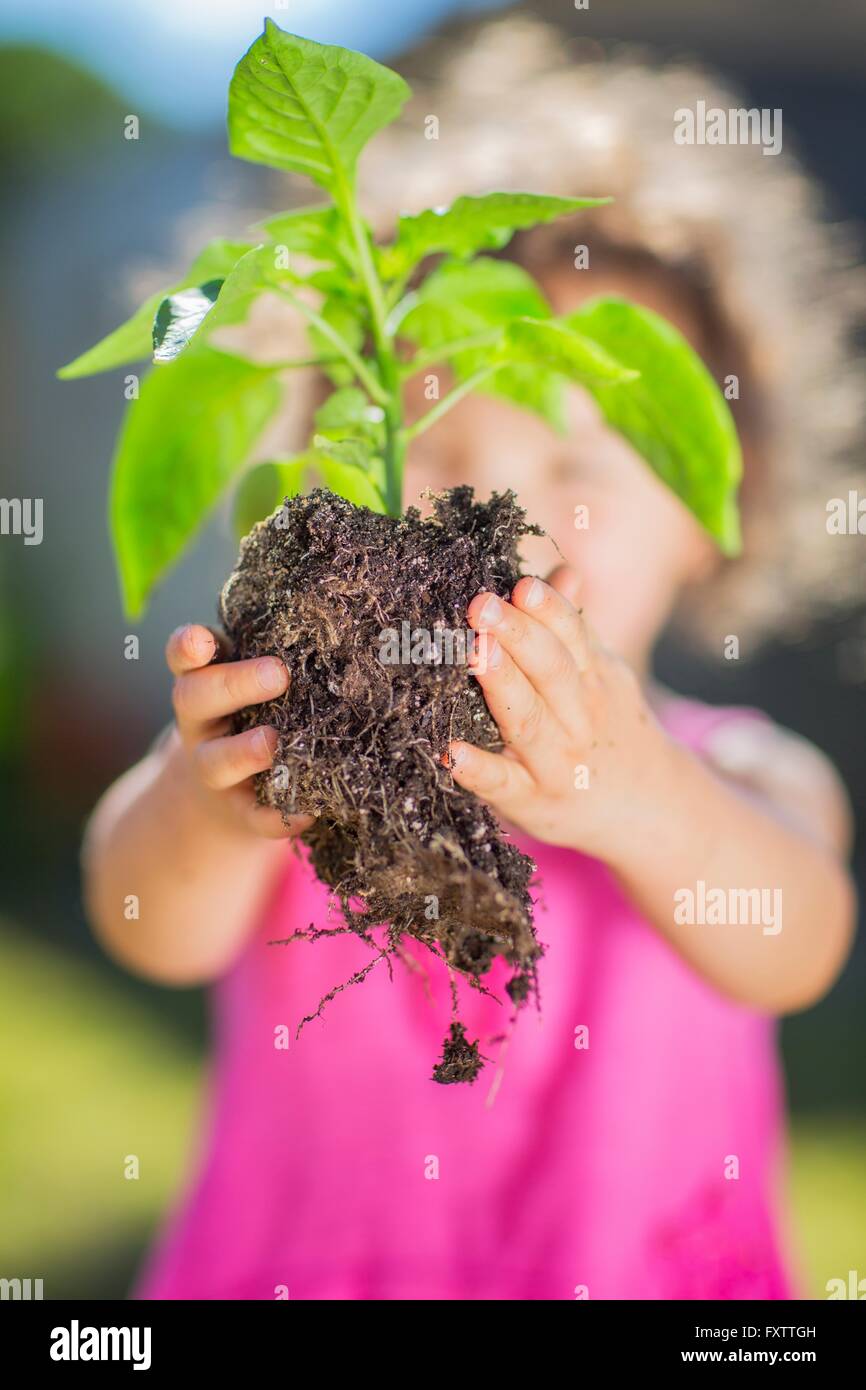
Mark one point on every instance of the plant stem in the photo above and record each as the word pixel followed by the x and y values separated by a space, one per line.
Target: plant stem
pixel 395 439
pixel 386 357
pixel 447 402
pixel 349 355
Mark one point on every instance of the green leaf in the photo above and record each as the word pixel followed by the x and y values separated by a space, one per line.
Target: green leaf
pixel 133 340
pixel 348 317
pixel 460 301
pixel 260 270
pixel 192 315
pixel 183 441
pixel 179 316
pixel 363 489
pixel 319 233
pixel 675 416
pixel 254 273
pixel 471 224
pixel 559 347
pixel 264 488
pixel 349 409
pixel 331 280
pixel 309 107
pixel 257 271
pixel 533 387
pixel 356 452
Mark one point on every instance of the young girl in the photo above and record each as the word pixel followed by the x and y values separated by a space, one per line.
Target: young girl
pixel 633 1146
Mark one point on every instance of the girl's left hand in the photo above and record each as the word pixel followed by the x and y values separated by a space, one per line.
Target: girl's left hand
pixel 585 761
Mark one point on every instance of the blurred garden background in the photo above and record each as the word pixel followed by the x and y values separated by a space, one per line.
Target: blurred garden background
pixel 94 1065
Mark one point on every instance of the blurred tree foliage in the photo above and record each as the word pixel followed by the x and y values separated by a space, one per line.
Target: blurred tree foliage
pixel 52 111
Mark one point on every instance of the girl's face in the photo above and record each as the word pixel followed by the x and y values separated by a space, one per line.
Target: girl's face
pixel 631 540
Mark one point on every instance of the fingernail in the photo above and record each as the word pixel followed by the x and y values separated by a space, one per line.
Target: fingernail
pixel 534 594
pixel 268 738
pixel 271 674
pixel 491 612
pixel 491 655
pixel 190 638
pixel 457 753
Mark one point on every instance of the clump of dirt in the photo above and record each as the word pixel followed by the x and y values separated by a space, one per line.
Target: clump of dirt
pixel 368 613
pixel 461 1060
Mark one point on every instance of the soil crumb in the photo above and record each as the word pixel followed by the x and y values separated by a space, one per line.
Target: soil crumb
pixel 461 1060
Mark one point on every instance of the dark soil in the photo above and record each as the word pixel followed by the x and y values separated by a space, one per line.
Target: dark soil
pixel 363 744
pixel 461 1060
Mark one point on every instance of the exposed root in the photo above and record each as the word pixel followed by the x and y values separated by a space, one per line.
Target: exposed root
pixel 355 979
pixel 311 933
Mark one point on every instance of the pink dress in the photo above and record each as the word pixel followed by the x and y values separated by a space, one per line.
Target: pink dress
pixel 336 1169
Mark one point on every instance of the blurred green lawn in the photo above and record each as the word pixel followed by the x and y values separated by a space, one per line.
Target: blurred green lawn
pixel 88 1076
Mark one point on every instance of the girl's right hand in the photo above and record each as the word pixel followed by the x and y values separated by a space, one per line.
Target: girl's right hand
pixel 205 694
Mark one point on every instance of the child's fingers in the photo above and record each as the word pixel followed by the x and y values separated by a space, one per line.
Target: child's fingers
pixel 545 660
pixel 523 717
pixel 550 606
pixel 190 647
pixel 199 697
pixel 497 779
pixel 225 762
pixel 566 581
